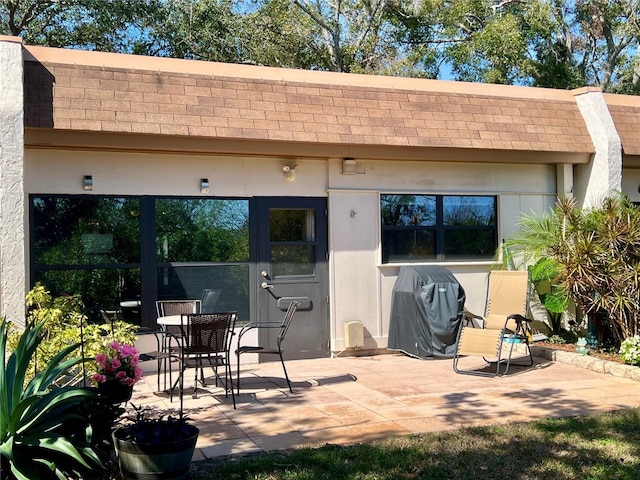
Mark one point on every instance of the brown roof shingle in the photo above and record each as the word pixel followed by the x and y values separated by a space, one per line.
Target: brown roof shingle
pixel 625 111
pixel 100 92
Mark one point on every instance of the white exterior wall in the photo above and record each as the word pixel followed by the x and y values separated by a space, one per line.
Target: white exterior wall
pixel 12 201
pixel 61 172
pixel 631 184
pixel 361 288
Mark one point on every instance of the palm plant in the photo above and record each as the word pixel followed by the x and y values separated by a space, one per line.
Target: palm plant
pixel 597 252
pixel 42 434
pixel 545 274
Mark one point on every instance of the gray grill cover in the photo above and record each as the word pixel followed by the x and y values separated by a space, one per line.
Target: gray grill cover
pixel 426 312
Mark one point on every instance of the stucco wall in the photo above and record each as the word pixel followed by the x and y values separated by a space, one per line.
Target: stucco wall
pixel 12 235
pixel 362 286
pixel 56 171
pixel 602 176
pixel 631 184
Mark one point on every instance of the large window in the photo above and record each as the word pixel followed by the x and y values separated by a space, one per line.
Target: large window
pixel 87 245
pixel 423 228
pixel 130 251
pixel 203 245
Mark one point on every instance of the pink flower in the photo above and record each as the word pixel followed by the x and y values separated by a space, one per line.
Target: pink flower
pixel 119 362
pixel 127 351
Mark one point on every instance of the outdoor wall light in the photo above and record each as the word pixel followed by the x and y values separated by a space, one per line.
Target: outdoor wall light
pixel 204 185
pixel 87 182
pixel 289 173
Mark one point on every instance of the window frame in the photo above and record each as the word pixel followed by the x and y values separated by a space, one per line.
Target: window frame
pixel 439 228
pixel 148 264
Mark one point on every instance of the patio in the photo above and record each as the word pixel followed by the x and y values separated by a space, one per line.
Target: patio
pixel 353 399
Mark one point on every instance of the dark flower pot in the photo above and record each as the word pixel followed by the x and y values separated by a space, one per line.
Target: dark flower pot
pixel 166 460
pixel 115 391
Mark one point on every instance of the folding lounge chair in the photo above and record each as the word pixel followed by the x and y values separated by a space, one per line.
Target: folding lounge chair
pixel 503 325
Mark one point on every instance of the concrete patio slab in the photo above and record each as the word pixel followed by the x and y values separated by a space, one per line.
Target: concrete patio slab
pixel 352 399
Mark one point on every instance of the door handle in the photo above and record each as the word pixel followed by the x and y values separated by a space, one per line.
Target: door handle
pixel 266 285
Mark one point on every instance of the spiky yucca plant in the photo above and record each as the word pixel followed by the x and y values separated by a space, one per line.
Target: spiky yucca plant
pixel 42 434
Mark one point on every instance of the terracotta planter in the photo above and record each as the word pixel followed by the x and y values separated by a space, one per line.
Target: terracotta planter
pixel 115 391
pixel 168 460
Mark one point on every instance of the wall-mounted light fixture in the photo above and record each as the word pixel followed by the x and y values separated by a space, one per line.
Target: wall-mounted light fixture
pixel 349 166
pixel 289 172
pixel 87 182
pixel 204 185
pixel 353 213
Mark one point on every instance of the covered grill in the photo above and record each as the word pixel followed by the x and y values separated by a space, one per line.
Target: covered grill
pixel 426 312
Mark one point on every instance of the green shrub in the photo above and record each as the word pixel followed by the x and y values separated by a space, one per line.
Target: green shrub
pixel 556 339
pixel 61 318
pixel 630 350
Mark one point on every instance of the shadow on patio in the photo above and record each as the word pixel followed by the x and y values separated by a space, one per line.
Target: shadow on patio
pixel 352 399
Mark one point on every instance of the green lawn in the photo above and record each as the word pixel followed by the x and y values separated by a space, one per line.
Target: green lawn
pixel 605 446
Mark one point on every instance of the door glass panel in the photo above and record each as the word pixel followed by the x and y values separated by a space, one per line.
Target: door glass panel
pixel 287 225
pixel 88 245
pixel 289 260
pixel 209 238
pixel 292 236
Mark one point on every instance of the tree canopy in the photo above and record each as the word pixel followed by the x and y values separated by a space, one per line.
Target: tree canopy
pixel 546 43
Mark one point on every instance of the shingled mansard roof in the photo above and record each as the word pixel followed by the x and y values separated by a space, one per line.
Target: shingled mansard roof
pixel 159 104
pixel 625 111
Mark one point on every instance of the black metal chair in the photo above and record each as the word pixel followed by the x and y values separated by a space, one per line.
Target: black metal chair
pixel 282 327
pixel 162 355
pixel 209 300
pixel 206 342
pixel 167 308
pixel 176 307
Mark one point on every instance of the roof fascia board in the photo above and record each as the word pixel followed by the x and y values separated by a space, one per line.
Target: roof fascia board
pixel 74 140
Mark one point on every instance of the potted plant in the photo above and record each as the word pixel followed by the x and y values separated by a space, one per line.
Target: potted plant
pixel 117 371
pixel 155 447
